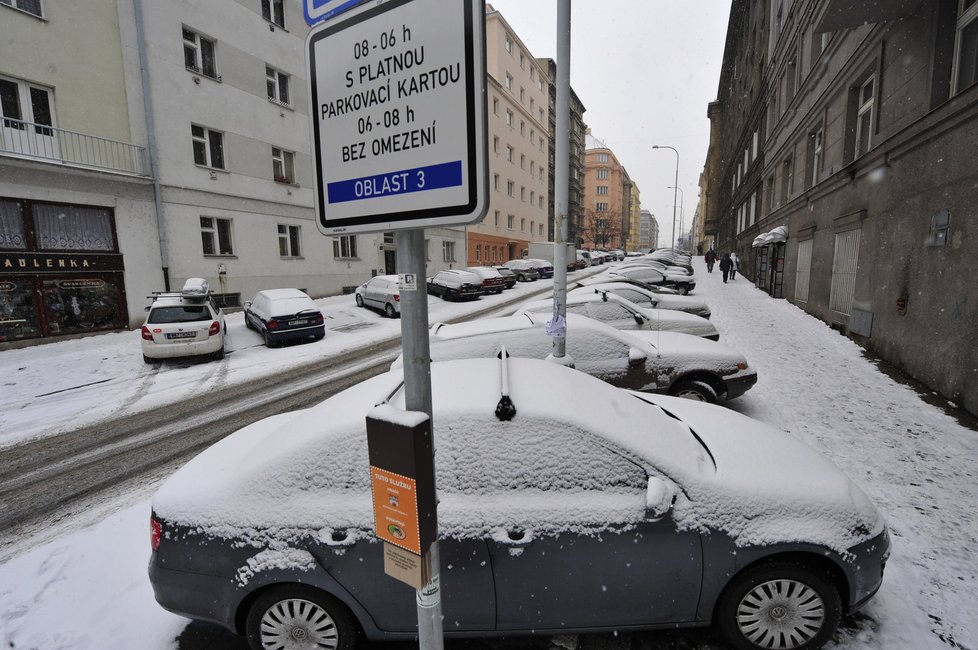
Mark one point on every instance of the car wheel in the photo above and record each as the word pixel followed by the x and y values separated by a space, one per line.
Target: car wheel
pixel 683 290
pixel 779 605
pixel 359 300
pixel 389 311
pixel 219 354
pixel 521 277
pixel 299 616
pixel 696 390
pixel 152 361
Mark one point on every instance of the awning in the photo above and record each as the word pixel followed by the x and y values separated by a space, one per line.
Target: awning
pixel 779 234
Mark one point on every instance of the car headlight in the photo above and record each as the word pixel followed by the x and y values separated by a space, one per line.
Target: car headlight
pixel 741 365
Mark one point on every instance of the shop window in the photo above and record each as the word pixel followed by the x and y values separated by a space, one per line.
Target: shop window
pixel 288 241
pixel 73 228
pixel 215 235
pixel 12 226
pixel 18 318
pixel 81 304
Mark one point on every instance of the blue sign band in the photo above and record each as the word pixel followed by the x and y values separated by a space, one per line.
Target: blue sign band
pixel 315 13
pixel 418 179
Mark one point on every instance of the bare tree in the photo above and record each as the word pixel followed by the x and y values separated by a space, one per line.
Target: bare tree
pixel 601 229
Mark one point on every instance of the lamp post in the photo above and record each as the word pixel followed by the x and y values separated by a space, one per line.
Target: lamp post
pixel 682 203
pixel 656 146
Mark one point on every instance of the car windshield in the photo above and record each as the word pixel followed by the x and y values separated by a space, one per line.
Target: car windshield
pixel 178 314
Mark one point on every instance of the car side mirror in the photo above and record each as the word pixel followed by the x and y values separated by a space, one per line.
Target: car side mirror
pixel 659 498
pixel 636 357
pixel 247 305
pixel 639 319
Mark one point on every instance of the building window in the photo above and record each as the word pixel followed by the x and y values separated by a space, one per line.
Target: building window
pixel 533 197
pixel 495 106
pixel 288 241
pixel 753 147
pixel 495 182
pixel 602 174
pixel 602 190
pixel 844 267
pixel 509 153
pixel 533 168
pixel 540 201
pixel 448 251
pixel 509 43
pixel 509 118
pixel 28 108
pixel 509 221
pixel 345 247
pixel 495 144
pixel 277 83
pixel 815 156
pixel 496 218
pixel 523 224
pixel 274 11
pixel 509 82
pixel 283 166
pixel 32 7
pixel 864 116
pixel 199 54
pixel 770 193
pixel 208 146
pixel 522 95
pixel 601 207
pixel 478 252
pixel 522 161
pixel 522 129
pixel 966 46
pixel 522 61
pixel 602 157
pixel 522 193
pixel 541 115
pixel 510 188
pixel 215 235
pixel 540 230
pixel 787 178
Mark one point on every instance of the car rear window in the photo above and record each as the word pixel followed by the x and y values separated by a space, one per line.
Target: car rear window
pixel 179 314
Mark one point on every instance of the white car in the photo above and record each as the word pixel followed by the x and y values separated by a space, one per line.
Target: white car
pixel 647 298
pixel 624 314
pixel 661 362
pixel 183 324
pixel 382 292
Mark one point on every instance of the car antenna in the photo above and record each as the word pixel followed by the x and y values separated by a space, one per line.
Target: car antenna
pixel 505 409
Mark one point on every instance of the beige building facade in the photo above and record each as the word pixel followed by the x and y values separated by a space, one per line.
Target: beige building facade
pixel 607 198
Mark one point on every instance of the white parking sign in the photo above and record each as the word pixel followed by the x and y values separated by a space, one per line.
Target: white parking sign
pixel 399 116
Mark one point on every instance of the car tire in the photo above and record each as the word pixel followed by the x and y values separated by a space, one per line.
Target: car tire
pixel 696 390
pixel 359 300
pixel 219 354
pixel 389 311
pixel 521 277
pixel 151 361
pixel 292 613
pixel 797 605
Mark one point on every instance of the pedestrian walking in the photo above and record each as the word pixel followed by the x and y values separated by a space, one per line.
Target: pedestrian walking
pixel 710 257
pixel 725 265
pixel 736 265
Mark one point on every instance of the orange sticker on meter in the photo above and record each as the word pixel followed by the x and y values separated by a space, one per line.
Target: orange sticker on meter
pixel 395 509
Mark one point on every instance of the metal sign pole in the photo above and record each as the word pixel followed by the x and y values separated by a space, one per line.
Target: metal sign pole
pixel 417 397
pixel 562 172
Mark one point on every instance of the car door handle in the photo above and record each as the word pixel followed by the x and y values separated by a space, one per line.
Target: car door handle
pixel 513 536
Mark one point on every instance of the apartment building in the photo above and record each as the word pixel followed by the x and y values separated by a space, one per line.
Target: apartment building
pixel 607 198
pixel 841 171
pixel 648 231
pixel 519 148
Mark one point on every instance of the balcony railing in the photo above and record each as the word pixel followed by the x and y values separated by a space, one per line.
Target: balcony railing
pixel 51 144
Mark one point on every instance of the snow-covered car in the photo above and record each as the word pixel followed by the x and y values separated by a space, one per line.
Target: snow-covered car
pixel 492 281
pixel 646 298
pixel 281 315
pixel 593 509
pixel 381 292
pixel 508 276
pixel 524 271
pixel 183 324
pixel 683 283
pixel 543 267
pixel 455 284
pixel 663 362
pixel 621 313
pixel 609 277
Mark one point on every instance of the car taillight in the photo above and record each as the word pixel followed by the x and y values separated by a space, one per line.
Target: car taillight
pixel 741 365
pixel 397 297
pixel 272 324
pixel 155 533
pixel 147 335
pixel 215 328
pixel 318 319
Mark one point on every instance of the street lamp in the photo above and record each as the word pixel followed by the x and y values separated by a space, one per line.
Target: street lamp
pixel 656 146
pixel 682 203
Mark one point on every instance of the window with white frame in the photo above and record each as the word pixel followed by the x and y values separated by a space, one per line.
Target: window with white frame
pixel 533 168
pixel 23 104
pixel 345 247
pixel 288 241
pixel 602 190
pixel 495 106
pixel 602 157
pixel 274 11
pixel 818 145
pixel 495 144
pixel 277 85
pixel 32 7
pixel 447 251
pixel 283 166
pixel 965 66
pixel 509 43
pixel 523 224
pixel 509 82
pixel 509 118
pixel 522 129
pixel 601 207
pixel 510 188
pixel 215 236
pixel 522 60
pixel 208 146
pixel 495 182
pixel 200 54
pixel 509 221
pixel 602 174
pixel 753 146
pixel 509 153
pixel 864 116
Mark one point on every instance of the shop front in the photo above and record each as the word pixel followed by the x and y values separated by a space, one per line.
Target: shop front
pixel 769 261
pixel 60 270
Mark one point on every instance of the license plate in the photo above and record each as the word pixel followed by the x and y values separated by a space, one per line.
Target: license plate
pixel 181 335
pixel 298 322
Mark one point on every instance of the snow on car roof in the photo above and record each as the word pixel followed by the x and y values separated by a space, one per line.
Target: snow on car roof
pixel 278 294
pixel 306 473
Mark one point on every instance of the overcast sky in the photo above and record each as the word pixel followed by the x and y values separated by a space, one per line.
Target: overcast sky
pixel 645 70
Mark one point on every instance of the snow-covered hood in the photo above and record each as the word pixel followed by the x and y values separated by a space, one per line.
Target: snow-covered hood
pixel 768 483
pixel 676 345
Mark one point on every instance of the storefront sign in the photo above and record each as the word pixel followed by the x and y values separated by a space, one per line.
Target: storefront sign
pixel 7 286
pixel 81 284
pixel 17 262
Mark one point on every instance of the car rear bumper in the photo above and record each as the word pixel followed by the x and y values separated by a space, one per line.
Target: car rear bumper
pixel 738 384
pixel 209 345
pixel 296 333
pixel 194 595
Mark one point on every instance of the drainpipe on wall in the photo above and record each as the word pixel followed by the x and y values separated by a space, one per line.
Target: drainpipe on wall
pixel 151 137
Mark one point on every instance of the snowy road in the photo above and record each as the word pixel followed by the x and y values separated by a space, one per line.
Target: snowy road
pixel 84 587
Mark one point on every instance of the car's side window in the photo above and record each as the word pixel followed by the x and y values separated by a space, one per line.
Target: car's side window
pixel 607 311
pixel 596 353
pixel 635 296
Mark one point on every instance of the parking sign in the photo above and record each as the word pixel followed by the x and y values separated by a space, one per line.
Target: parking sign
pixel 399 116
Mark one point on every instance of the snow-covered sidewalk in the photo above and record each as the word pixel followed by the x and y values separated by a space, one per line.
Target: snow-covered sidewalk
pixel 88 590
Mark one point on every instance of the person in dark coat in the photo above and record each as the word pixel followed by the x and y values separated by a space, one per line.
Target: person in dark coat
pixel 725 265
pixel 710 257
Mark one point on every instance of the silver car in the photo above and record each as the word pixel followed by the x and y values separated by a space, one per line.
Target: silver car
pixel 382 293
